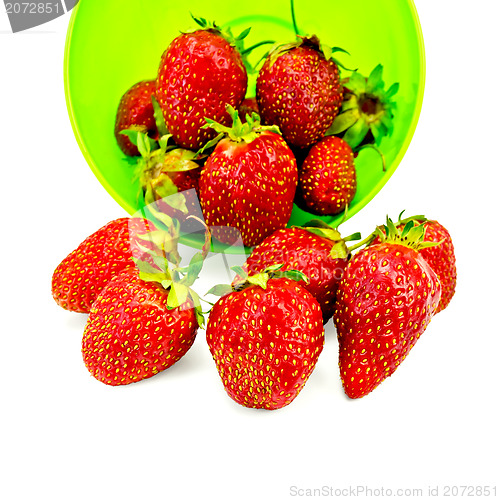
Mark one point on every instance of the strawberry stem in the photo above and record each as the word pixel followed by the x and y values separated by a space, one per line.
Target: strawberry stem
pixel 294 20
pixel 256 46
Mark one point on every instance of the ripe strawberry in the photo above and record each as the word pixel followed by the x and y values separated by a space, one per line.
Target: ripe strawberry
pixel 136 111
pixel 327 177
pixel 199 74
pixel 248 183
pixel 385 301
pixel 132 333
pixel 317 250
pixel 298 89
pixel 146 318
pixel 81 276
pixel 440 257
pixel 367 110
pixel 265 339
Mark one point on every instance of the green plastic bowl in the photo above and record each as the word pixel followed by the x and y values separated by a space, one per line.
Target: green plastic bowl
pixel 113 44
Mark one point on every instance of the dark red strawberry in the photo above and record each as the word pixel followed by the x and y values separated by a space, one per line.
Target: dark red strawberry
pixel 299 90
pixel 327 177
pixel 440 257
pixel 199 74
pixel 316 249
pixel 248 182
pixel 81 276
pixel 247 107
pixel 135 111
pixel 385 301
pixel 265 339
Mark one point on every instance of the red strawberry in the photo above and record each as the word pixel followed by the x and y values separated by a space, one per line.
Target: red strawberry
pixel 81 276
pixel 146 318
pixel 385 301
pixel 265 340
pixel 327 177
pixel 199 74
pixel 248 183
pixel 299 89
pixel 316 250
pixel 247 107
pixel 441 257
pixel 136 111
pixel 132 333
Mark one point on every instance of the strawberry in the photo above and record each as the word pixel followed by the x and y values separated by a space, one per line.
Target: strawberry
pixel 440 257
pixel 317 250
pixel 385 301
pixel 199 74
pixel 299 90
pixel 247 107
pixel 169 176
pixel 81 276
pixel 367 111
pixel 136 111
pixel 327 177
pixel 248 182
pixel 132 333
pixel 265 338
pixel 146 318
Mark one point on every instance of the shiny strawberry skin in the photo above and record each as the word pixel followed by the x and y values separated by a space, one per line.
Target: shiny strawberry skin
pixel 301 93
pixel 249 187
pixel 266 342
pixel 441 258
pixel 131 334
pixel 136 108
pixel 385 301
pixel 327 177
pixel 301 250
pixel 80 277
pixel 199 74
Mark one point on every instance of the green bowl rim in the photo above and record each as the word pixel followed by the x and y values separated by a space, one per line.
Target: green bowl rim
pixel 376 188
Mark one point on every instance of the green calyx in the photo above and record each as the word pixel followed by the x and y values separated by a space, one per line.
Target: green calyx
pixel 239 132
pixel 160 262
pixel 260 279
pixel 225 33
pixel 339 249
pixel 312 42
pixel 158 159
pixel 409 232
pixel 367 111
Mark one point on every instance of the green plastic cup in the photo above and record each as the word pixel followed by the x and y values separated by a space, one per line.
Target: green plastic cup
pixel 112 45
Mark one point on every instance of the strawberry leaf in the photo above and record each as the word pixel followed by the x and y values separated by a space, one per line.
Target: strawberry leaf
pixel 220 290
pixel 159 117
pixel 177 296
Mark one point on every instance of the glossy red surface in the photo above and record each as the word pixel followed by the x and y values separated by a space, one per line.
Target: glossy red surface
pixel 266 342
pixel 301 93
pixel 199 74
pixel 249 187
pixel 385 301
pixel 131 334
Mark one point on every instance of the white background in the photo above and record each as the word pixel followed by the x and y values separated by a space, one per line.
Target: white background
pixel 63 435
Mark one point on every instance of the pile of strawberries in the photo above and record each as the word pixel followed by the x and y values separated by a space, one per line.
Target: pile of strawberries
pixel 251 153
pixel 266 332
pixel 246 161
